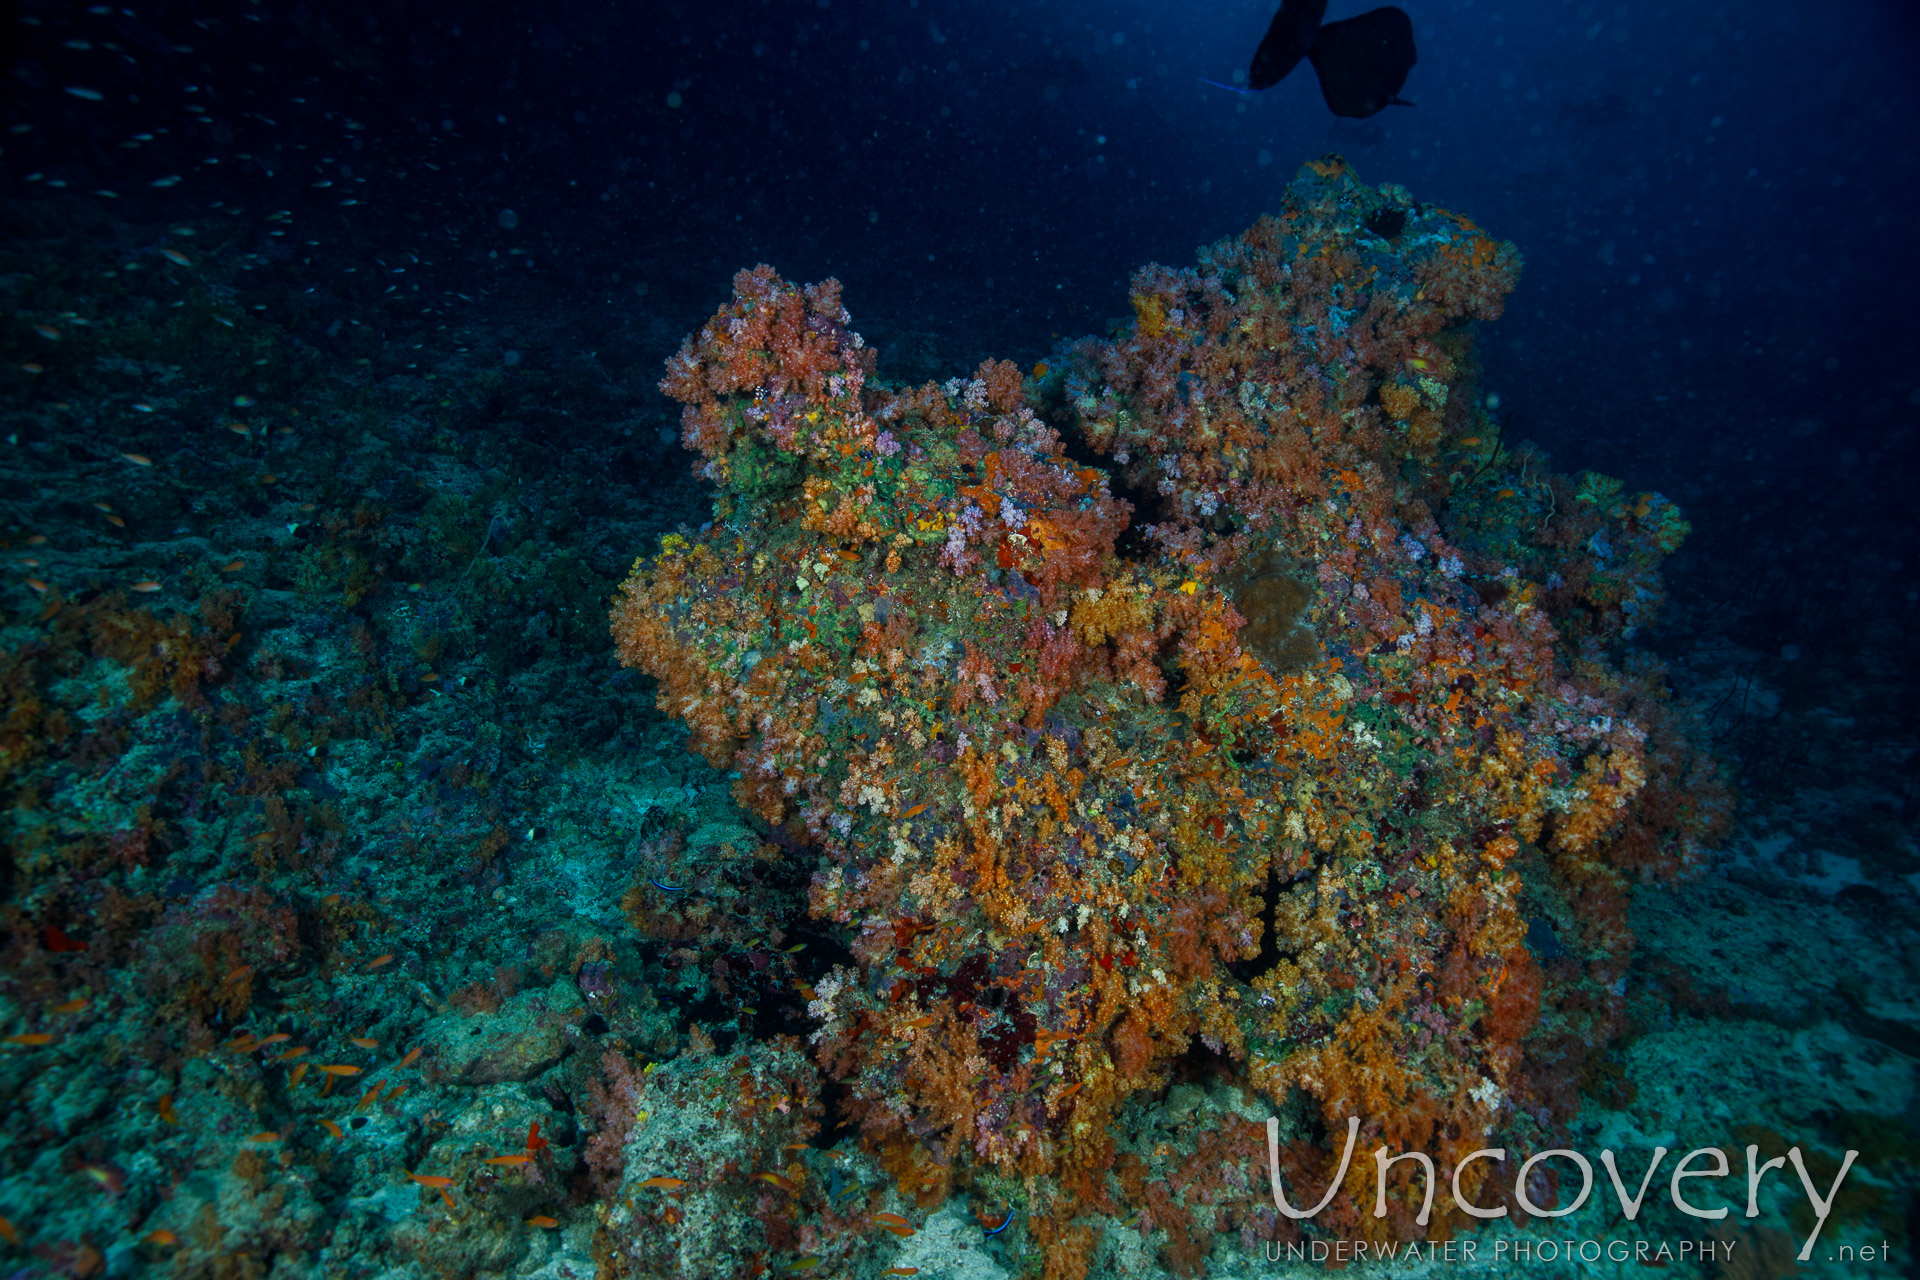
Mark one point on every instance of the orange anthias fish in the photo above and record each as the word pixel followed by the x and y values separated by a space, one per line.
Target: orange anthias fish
pixel 165 1108
pixel 379 962
pixel 891 1220
pixel 513 1160
pixel 72 1006
pixel 162 1236
pixel 278 1037
pixel 413 1056
pixel 901 1271
pixel 542 1221
pixel 333 1128
pixel 664 1183
pixel 361 1042
pixel 433 1180
pixel 31 1039
pixel 339 1069
pixel 778 1180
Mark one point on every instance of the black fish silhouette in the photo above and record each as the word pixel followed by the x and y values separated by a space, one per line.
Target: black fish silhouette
pixel 1361 62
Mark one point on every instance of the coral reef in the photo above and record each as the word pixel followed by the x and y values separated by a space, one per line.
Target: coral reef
pixel 1297 744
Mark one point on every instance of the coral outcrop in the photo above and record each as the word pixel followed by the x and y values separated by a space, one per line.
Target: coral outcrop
pixel 1297 743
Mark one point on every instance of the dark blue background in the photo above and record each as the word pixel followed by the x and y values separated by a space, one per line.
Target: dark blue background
pixel 1715 202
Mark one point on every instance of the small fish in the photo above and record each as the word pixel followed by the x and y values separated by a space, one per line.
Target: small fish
pixel 237 976
pixel 31 367
pixel 118 523
pixel 339 1069
pixel 778 1180
pixel 542 1221
pixel 915 812
pixel 666 888
pixel 31 1039
pixel 9 1232
pixel 914 1271
pixel 508 1160
pixel 298 1074
pixel 37 585
pixel 146 586
pixel 379 962
pixel 363 1042
pixel 891 1219
pixel 902 1232
pixel 370 1094
pixel 796 948
pixel 57 940
pixel 413 1055
pixel 1503 494
pixel 111 1180
pixel 138 459
pixel 245 1044
pixel 161 1237
pixel 165 1108
pixel 289 1055
pixel 265 1135
pixel 278 1037
pixel 239 428
pixel 433 1180
pixel 664 1183
pixel 176 257
pixel 233 566
pixel 1470 441
pixel 48 332
pixel 333 1128
pixel 395 1092
pixel 807 1263
pixel 71 1006
pixel 1004 1224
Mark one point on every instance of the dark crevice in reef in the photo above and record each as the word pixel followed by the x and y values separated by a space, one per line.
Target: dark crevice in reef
pixel 1270 952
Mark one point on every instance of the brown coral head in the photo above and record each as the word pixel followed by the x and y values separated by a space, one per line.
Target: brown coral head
pixel 1271 594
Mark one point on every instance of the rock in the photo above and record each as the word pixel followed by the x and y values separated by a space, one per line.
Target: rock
pixel 527 1035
